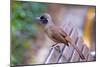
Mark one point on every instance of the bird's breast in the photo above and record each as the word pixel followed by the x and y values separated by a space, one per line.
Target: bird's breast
pixel 49 32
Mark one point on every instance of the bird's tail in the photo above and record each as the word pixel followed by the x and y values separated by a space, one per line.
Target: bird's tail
pixel 75 47
pixel 79 52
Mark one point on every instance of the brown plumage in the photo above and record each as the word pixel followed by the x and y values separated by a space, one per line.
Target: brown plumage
pixel 57 34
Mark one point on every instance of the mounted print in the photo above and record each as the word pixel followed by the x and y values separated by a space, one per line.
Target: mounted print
pixel 52 33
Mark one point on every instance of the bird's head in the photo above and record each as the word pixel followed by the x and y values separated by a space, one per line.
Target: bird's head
pixel 44 19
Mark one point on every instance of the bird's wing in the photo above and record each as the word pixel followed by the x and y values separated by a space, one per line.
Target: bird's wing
pixel 65 35
pixel 58 35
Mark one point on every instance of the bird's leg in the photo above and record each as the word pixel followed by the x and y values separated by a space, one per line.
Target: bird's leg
pixel 54 45
pixel 57 47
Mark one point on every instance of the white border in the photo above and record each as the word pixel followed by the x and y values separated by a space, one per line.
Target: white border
pixel 4 33
pixel 82 2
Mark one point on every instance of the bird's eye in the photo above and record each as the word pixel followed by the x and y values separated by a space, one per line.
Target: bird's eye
pixel 42 17
pixel 44 20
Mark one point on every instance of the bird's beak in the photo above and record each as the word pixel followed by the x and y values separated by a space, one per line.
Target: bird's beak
pixel 38 18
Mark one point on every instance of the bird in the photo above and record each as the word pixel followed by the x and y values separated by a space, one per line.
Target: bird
pixel 55 33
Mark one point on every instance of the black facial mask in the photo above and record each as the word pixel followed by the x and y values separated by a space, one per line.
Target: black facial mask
pixel 44 20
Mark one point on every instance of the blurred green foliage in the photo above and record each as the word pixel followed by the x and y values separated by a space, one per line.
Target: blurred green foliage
pixel 23 26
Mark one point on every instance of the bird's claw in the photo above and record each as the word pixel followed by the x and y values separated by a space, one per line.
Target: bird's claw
pixel 57 47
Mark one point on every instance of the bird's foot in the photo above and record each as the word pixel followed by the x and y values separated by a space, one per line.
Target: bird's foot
pixel 54 45
pixel 57 47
